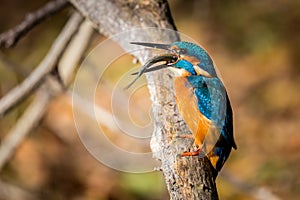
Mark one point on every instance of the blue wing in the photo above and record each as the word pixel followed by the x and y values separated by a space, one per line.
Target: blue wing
pixel 214 103
pixel 211 96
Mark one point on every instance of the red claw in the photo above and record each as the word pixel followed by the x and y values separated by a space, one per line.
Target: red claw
pixel 192 153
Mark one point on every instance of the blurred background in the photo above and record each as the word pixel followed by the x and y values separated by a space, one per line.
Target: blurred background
pixel 255 45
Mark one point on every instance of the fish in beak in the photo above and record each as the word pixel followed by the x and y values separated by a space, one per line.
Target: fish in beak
pixel 168 60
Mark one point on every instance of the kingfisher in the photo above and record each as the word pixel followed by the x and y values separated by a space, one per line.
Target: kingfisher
pixel 201 98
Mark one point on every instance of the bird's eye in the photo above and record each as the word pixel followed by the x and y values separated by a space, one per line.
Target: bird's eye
pixel 174 59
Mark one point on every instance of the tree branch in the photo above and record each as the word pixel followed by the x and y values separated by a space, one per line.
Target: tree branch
pixel 47 65
pixel 186 178
pixel 73 53
pixel 50 88
pixel 29 119
pixel 12 36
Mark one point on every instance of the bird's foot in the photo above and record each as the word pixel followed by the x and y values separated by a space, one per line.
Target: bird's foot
pixel 185 136
pixel 192 153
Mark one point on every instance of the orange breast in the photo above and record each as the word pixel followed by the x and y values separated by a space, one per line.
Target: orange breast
pixel 198 124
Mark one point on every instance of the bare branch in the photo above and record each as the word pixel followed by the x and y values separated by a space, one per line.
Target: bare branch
pixel 50 88
pixel 47 65
pixel 29 119
pixel 12 36
pixel 74 51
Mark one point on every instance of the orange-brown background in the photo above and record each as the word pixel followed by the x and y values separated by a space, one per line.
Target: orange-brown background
pixel 255 45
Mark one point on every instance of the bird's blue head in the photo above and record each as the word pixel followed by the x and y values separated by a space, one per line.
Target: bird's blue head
pixel 184 58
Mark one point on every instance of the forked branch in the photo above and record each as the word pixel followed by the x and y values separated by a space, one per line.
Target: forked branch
pixel 12 36
pixel 47 65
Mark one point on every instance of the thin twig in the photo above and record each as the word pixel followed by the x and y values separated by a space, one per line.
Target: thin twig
pixel 73 53
pixel 12 36
pixel 47 65
pixel 28 120
pixel 51 87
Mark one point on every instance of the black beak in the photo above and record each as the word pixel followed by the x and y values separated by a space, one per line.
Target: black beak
pixel 168 60
pixel 153 45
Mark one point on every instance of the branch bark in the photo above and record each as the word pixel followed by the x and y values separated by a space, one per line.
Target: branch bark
pixel 12 36
pixel 188 177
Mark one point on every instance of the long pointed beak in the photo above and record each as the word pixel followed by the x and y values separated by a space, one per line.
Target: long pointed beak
pixel 168 60
pixel 153 45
